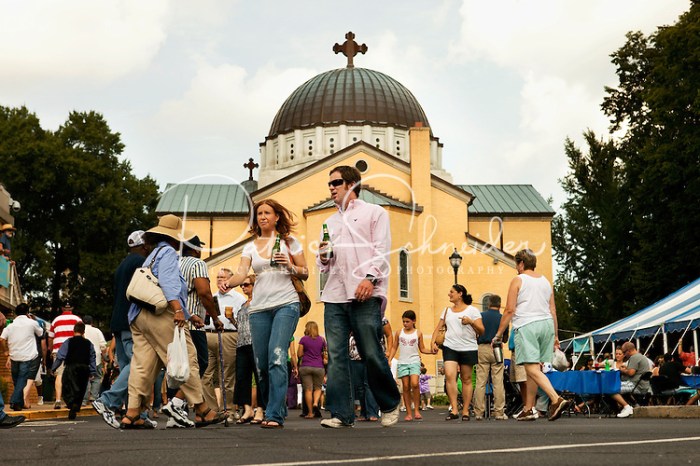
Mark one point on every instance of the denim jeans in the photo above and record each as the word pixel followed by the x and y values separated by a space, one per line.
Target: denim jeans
pixel 363 319
pixel 93 388
pixel 115 397
pixel 21 372
pixel 368 405
pixel 2 408
pixel 272 331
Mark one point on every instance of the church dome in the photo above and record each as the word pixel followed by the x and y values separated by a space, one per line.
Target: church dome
pixel 349 96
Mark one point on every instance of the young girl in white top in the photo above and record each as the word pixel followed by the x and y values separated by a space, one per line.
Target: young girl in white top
pixel 409 342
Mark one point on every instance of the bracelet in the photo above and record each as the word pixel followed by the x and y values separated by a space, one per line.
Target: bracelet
pixel 179 310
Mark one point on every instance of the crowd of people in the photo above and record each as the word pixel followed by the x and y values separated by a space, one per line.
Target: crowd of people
pixel 242 344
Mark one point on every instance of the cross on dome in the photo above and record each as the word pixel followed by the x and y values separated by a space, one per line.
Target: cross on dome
pixel 350 48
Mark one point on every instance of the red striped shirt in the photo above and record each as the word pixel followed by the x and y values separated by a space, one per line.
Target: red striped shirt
pixel 62 329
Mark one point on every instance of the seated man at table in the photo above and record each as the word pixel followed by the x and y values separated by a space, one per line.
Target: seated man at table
pixel 669 374
pixel 630 374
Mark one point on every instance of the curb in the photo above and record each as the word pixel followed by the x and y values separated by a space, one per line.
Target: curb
pixel 667 412
pixel 38 415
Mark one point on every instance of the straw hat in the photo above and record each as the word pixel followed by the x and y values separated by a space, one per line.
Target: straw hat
pixel 171 226
pixel 8 226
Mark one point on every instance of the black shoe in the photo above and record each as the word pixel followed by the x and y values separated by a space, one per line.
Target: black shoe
pixel 72 414
pixel 317 412
pixel 16 407
pixel 11 421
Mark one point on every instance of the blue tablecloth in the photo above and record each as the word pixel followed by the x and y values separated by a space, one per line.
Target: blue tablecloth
pixel 692 381
pixel 586 382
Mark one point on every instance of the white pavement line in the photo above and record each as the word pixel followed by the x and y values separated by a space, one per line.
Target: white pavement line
pixel 481 452
pixel 48 423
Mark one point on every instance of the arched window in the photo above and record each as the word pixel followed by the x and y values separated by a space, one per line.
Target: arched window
pixel 404 282
pixel 485 301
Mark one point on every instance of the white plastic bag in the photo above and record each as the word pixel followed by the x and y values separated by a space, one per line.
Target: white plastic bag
pixel 559 361
pixel 178 361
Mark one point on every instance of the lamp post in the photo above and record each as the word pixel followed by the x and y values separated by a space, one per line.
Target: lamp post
pixel 455 261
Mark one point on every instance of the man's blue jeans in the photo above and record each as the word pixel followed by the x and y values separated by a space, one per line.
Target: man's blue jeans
pixel 271 331
pixel 368 406
pixel 21 372
pixel 116 396
pixel 363 319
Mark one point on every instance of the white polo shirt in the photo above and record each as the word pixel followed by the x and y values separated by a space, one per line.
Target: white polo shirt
pixel 21 338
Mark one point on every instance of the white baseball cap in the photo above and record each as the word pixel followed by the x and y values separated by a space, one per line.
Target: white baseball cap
pixel 135 239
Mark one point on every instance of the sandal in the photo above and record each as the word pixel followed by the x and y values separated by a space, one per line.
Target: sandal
pixel 203 416
pixel 465 417
pixel 271 425
pixel 451 416
pixel 244 420
pixel 133 425
pixel 408 418
pixel 418 417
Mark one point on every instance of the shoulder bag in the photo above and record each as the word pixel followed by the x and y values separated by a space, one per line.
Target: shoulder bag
pixel 304 299
pixel 440 337
pixel 144 291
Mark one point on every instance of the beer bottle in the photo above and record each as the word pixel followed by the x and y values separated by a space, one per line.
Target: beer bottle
pixel 327 253
pixel 275 249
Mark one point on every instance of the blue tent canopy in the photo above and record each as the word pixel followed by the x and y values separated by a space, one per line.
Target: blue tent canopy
pixel 674 313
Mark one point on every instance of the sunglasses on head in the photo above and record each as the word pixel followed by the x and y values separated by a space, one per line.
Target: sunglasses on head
pixel 336 183
pixel 245 284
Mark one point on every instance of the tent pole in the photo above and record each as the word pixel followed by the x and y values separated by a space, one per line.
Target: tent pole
pixel 652 341
pixel 665 335
pixel 639 344
pixel 695 346
pixel 681 338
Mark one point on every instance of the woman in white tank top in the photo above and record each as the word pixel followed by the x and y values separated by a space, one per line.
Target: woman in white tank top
pixel 531 306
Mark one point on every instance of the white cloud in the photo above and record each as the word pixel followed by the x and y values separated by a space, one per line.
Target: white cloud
pixel 84 39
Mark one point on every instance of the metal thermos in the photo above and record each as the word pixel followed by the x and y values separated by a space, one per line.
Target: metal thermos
pixel 498 352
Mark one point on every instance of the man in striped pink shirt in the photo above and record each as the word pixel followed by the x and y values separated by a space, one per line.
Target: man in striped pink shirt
pixel 61 330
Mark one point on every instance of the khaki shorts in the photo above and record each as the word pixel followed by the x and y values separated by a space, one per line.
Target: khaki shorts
pixel 517 372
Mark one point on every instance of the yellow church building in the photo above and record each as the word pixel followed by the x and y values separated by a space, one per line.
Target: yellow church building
pixel 364 118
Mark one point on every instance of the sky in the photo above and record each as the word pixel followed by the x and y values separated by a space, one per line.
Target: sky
pixel 193 87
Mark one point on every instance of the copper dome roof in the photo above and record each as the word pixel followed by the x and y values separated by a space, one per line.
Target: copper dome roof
pixel 353 96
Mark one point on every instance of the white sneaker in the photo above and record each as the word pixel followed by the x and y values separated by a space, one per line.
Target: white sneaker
pixel 40 401
pixel 627 411
pixel 106 413
pixel 501 417
pixel 390 418
pixel 178 414
pixel 171 424
pixel 334 423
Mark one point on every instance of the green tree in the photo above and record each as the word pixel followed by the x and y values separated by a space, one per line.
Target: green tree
pixel 627 234
pixel 591 237
pixel 79 202
pixel 657 102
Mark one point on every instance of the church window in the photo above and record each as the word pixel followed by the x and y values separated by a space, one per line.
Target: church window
pixel 322 279
pixel 485 301
pixel 361 165
pixel 404 290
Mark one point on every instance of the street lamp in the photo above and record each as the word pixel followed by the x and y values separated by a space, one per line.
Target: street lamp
pixel 455 261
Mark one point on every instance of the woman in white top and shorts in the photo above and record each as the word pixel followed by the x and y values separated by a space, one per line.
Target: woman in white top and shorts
pixel 531 306
pixel 274 309
pixel 460 349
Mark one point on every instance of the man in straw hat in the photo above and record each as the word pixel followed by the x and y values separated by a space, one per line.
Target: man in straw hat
pixel 152 333
pixel 8 232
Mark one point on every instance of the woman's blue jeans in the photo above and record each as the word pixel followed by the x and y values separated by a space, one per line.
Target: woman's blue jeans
pixel 271 331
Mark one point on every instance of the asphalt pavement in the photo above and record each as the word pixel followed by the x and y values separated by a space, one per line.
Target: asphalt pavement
pixel 568 441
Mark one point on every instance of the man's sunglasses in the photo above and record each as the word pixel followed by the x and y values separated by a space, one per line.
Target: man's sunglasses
pixel 245 284
pixel 336 183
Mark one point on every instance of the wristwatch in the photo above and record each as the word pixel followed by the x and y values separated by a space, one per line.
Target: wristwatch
pixel 372 279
